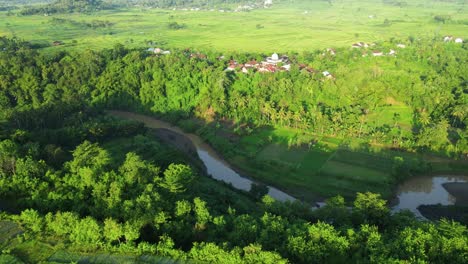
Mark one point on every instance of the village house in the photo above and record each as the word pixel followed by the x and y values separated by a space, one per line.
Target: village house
pixel 267 3
pixel 251 64
pixel 401 46
pixel 392 52
pixel 458 40
pixel 232 65
pixel 159 51
pixel 274 59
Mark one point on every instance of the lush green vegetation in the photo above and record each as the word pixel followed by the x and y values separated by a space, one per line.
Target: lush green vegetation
pixel 367 129
pixel 77 185
pixel 64 6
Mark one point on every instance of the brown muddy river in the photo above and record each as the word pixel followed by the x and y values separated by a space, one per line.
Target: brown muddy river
pixel 217 167
pixel 411 194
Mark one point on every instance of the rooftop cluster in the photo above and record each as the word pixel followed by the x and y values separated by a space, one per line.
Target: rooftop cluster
pixel 274 63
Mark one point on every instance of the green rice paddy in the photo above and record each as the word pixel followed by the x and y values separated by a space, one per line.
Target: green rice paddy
pixel 300 26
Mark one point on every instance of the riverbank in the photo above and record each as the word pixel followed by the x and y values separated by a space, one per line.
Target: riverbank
pixel 459 190
pixel 451 212
pixel 217 167
pixel 181 143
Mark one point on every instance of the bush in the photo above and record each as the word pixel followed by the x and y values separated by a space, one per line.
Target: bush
pixel 176 26
pixel 442 18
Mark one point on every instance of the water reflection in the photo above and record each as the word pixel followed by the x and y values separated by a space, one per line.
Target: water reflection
pixel 425 191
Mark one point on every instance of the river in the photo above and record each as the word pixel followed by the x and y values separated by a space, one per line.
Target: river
pixel 426 190
pixel 217 167
pixel 414 192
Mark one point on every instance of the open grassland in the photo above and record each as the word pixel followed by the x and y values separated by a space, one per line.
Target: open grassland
pixel 298 26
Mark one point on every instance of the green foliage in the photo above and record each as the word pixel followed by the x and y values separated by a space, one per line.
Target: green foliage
pixel 370 208
pixel 31 219
pixel 175 26
pixel 112 231
pixel 62 224
pixel 64 6
pixel 177 178
pixel 87 233
pixel 119 190
pixel 321 242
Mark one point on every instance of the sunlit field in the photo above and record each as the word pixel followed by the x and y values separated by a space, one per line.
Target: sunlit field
pixel 306 26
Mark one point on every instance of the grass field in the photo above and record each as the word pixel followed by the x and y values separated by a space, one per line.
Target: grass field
pixel 325 169
pixel 297 26
pixel 314 174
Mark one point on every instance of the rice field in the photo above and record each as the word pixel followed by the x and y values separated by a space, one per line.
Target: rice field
pixel 292 26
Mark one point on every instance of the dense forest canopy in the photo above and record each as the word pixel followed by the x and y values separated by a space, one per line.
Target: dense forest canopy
pixel 65 6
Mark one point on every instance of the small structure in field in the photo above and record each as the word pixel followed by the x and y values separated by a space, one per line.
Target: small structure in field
pixel 401 46
pixel 57 43
pixel 328 75
pixel 158 51
pixel 286 67
pixel 360 45
pixel 458 40
pixel 448 38
pixel 392 52
pixel 331 51
pixel 267 3
pixel 377 53
pixel 198 55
